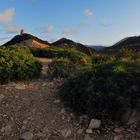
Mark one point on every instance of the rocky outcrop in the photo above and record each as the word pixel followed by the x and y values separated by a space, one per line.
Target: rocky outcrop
pixel 28 40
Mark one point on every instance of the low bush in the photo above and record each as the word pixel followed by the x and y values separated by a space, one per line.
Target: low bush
pixel 100 58
pixel 17 63
pixel 63 67
pixel 107 89
pixel 55 52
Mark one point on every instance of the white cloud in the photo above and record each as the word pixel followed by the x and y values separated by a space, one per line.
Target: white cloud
pixel 12 29
pixel 54 39
pixel 69 31
pixel 86 21
pixel 88 13
pixel 46 30
pixel 50 29
pixel 88 17
pixel 7 16
pixel 105 22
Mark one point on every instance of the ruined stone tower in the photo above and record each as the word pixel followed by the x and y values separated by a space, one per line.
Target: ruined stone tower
pixel 22 32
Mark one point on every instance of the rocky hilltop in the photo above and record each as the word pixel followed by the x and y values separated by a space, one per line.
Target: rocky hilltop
pixel 27 40
pixel 128 42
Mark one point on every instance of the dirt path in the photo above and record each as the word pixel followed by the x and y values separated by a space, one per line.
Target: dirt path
pixel 32 111
pixel 33 107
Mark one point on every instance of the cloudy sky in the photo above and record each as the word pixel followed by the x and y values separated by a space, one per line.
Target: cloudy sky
pixel 92 22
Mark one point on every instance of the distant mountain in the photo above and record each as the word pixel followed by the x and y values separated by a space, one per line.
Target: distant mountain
pixel 28 40
pixel 97 47
pixel 66 43
pixel 129 42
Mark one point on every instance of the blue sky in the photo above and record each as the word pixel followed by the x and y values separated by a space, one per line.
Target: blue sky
pixel 92 22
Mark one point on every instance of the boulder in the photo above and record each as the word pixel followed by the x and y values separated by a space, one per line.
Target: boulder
pixel 94 124
pixel 119 130
pixel 26 135
pixel 89 131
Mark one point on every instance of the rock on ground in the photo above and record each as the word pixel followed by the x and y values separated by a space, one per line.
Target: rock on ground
pixel 26 136
pixel 94 123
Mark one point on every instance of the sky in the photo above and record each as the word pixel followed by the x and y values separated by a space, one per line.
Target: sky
pixel 91 22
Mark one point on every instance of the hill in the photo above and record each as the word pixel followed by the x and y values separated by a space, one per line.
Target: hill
pixel 28 40
pixel 66 43
pixel 129 42
pixel 34 42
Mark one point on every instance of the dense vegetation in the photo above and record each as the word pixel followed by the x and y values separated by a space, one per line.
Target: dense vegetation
pixel 64 67
pixel 55 52
pixel 17 63
pixel 109 88
pixel 66 62
pixel 105 85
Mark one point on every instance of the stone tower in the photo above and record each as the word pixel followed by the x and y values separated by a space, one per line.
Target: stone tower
pixel 21 31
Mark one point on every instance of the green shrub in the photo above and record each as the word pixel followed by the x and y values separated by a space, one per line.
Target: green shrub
pixel 102 58
pixel 63 67
pixel 67 62
pixel 108 88
pixel 55 52
pixel 17 63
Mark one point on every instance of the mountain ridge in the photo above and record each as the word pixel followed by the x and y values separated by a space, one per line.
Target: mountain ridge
pixel 33 41
pixel 67 43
